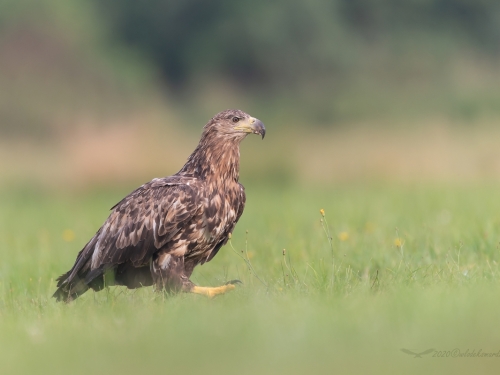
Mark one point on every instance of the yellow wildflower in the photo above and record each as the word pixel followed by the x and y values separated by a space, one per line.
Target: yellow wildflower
pixel 322 212
pixel 343 236
pixel 398 242
pixel 68 235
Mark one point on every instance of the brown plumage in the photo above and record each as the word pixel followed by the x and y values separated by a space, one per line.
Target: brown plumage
pixel 158 233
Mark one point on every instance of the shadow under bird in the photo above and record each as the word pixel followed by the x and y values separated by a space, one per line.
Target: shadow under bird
pixel 158 233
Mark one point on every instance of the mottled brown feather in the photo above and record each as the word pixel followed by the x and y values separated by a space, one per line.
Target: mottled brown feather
pixel 162 230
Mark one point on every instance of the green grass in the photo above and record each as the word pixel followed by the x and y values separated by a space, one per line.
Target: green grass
pixel 348 307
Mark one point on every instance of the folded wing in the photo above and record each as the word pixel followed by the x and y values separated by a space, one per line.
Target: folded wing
pixel 138 226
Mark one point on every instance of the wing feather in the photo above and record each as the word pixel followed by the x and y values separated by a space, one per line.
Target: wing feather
pixel 144 221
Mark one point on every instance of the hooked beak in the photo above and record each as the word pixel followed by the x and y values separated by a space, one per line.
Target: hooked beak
pixel 252 125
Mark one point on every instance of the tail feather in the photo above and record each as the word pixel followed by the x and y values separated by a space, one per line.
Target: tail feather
pixel 72 284
pixel 69 292
pixel 81 277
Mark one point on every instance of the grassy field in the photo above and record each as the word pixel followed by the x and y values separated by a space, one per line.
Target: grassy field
pixel 407 267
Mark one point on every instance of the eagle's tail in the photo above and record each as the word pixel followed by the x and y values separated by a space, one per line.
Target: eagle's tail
pixel 68 291
pixel 79 278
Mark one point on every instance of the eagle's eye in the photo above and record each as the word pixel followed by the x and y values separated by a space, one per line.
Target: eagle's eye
pixel 236 119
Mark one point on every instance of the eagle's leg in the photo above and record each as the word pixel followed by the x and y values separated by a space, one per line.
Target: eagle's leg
pixel 167 271
pixel 171 274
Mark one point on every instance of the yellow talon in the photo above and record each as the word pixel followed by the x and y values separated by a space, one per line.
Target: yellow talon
pixel 212 292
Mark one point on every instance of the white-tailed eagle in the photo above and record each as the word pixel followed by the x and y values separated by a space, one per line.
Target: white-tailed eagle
pixel 158 233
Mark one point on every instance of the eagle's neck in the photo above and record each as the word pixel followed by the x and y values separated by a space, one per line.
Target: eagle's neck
pixel 215 159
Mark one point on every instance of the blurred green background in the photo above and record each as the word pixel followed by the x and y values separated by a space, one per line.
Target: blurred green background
pixel 388 89
pixel 384 113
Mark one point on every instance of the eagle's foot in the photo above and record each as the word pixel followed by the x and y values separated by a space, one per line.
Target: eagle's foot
pixel 213 291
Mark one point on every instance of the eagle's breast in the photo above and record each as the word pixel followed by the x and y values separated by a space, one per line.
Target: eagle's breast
pixel 216 219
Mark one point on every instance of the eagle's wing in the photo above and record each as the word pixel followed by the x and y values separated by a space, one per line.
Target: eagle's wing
pixel 139 225
pixel 145 221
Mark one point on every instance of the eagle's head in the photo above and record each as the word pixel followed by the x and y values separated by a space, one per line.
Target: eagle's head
pixel 234 124
pixel 218 155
